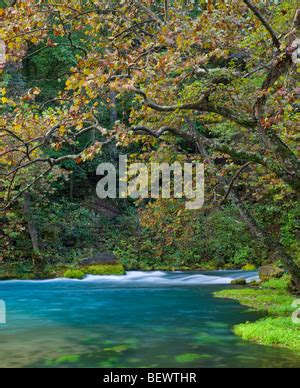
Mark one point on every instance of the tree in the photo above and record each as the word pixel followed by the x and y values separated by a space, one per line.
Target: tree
pixel 189 74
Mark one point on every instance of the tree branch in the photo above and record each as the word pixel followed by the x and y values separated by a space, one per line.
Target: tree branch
pixel 271 31
pixel 37 179
pixel 170 108
pixel 202 105
pixel 233 180
pixel 25 165
pixel 139 4
pixel 194 138
pixel 166 10
pixel 163 130
pixel 52 162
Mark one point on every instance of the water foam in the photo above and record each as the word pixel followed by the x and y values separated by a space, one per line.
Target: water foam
pixel 175 278
pixel 159 278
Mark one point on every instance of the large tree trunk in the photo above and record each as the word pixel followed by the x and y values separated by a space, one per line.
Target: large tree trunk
pixel 286 163
pixel 31 227
pixel 275 249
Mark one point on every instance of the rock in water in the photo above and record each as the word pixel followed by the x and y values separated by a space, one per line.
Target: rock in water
pixel 270 272
pixel 239 282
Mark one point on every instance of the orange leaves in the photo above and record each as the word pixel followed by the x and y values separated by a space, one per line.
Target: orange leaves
pixel 79 160
pixel 32 94
pixel 270 121
pixel 62 130
pixel 87 155
pixel 90 153
pixel 210 6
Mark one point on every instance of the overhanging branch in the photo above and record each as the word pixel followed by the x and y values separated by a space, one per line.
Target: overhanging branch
pixel 263 20
pixel 140 5
pixel 233 180
pixel 195 138
pixel 201 105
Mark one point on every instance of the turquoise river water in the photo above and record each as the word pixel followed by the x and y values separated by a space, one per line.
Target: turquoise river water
pixel 153 319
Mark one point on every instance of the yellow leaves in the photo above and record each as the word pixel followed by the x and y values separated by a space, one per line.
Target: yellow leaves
pixel 34 40
pixel 17 128
pixel 87 71
pixel 180 42
pixel 69 84
pixel 4 100
pixel 62 130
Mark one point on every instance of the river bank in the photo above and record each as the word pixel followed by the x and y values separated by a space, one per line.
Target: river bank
pixel 274 298
pixel 27 271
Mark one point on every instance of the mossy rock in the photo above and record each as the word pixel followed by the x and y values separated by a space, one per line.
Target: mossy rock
pixel 104 269
pixel 74 274
pixel 97 270
pixel 249 267
pixel 239 282
pixel 269 272
pixel 254 284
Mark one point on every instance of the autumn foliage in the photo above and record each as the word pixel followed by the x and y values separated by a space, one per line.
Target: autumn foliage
pixel 207 80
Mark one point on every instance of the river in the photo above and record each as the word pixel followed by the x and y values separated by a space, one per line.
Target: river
pixel 142 319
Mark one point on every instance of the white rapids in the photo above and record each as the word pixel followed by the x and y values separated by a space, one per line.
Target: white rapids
pixel 162 278
pixel 177 278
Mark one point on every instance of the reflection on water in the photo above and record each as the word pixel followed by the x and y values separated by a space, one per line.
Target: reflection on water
pixel 155 319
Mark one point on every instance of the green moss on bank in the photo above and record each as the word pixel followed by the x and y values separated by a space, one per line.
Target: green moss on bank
pixel 26 271
pixel 272 297
pixel 99 270
pixel 272 332
pixel 14 271
pixel 104 269
pixel 74 274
